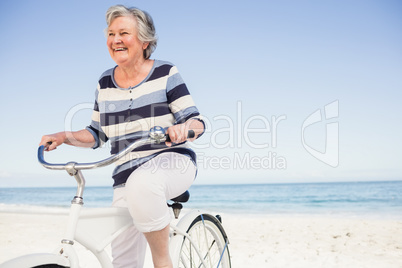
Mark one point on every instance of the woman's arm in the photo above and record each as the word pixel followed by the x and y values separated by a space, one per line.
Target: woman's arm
pixel 81 138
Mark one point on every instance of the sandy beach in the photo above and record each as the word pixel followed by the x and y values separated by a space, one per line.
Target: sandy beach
pixel 255 241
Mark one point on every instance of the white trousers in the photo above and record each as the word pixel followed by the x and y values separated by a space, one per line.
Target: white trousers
pixel 145 194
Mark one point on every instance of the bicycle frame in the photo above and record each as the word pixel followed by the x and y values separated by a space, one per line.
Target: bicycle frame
pixel 95 229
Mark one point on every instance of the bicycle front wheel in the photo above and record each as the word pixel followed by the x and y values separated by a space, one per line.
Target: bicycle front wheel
pixel 206 245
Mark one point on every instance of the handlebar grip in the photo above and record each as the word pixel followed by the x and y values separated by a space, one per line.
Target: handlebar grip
pixel 190 135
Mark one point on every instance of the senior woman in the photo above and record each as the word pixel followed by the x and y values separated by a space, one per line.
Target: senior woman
pixel 135 95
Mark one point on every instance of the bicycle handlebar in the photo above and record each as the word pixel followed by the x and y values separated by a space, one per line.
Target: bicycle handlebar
pixel 156 134
pixel 102 163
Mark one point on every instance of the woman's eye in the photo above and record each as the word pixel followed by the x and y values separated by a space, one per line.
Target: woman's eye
pixel 123 33
pixel 111 34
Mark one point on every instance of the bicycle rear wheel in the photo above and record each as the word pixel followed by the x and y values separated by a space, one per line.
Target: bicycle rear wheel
pixel 209 238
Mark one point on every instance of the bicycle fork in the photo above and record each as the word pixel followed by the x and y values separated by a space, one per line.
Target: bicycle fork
pixel 75 210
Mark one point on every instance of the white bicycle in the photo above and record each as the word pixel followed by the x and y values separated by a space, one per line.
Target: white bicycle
pixel 196 240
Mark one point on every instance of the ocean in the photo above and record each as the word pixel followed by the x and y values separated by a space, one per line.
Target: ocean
pixel 344 199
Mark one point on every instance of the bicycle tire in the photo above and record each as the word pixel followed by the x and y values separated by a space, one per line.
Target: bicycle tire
pixel 208 235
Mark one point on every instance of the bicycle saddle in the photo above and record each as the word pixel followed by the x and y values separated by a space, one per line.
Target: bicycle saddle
pixel 183 198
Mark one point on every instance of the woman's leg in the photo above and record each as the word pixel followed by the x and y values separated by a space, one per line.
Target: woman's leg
pixel 159 244
pixel 128 249
pixel 147 190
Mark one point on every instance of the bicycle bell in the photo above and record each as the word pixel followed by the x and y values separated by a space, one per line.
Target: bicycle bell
pixel 158 134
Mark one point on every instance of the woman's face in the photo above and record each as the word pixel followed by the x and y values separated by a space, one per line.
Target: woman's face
pixel 124 46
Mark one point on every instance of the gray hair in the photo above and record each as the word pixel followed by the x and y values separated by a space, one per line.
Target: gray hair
pixel 145 25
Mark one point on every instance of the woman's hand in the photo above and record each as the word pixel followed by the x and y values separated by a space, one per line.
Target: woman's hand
pixel 81 138
pixel 51 141
pixel 178 133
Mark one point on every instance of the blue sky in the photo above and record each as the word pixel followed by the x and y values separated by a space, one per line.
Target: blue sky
pixel 259 71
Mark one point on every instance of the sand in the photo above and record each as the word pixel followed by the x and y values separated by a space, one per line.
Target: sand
pixel 255 241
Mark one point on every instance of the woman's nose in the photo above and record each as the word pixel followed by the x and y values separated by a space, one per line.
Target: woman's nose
pixel 117 39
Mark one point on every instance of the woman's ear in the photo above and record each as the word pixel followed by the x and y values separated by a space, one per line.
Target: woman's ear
pixel 145 45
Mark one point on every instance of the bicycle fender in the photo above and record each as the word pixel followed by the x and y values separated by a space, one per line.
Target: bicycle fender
pixel 33 260
pixel 186 221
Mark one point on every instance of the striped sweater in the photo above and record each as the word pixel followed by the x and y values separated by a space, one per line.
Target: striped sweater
pixel 124 115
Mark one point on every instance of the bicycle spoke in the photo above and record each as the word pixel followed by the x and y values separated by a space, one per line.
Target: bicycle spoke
pixel 206 238
pixel 208 253
pixel 223 252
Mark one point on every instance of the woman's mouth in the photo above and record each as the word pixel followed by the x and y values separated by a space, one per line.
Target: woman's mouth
pixel 120 49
